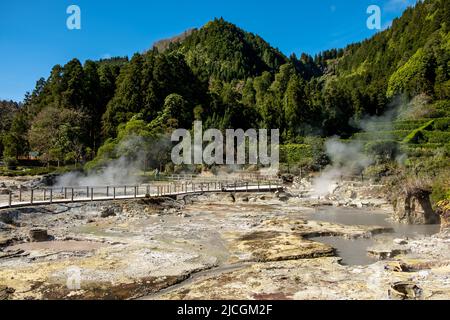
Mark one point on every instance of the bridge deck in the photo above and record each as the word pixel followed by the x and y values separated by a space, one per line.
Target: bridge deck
pixel 161 192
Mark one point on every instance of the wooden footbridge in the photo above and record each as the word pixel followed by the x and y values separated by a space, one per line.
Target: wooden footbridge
pixel 25 197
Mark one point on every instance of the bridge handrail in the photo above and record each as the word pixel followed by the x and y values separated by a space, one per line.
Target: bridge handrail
pixel 62 194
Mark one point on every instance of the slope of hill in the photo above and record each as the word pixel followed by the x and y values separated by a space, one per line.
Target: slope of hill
pixel 164 44
pixel 409 58
pixel 224 51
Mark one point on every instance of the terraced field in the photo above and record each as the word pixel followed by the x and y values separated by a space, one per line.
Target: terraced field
pixel 422 138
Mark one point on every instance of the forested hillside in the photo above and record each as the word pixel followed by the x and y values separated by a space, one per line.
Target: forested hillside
pixel 8 109
pixel 230 78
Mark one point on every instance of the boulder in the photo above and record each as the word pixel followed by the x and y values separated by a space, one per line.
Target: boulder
pixel 6 292
pixel 287 178
pixel 400 241
pixel 283 196
pixel 9 216
pixel 382 253
pixel 404 290
pixel 351 194
pixel 414 207
pixel 38 235
pixel 109 211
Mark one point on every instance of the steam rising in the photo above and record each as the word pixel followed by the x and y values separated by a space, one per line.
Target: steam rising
pixel 349 158
pixel 346 158
pixel 118 172
pixel 136 154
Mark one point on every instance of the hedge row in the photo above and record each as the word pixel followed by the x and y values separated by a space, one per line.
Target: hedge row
pixel 442 124
pixel 417 136
pixel 437 136
pixel 397 135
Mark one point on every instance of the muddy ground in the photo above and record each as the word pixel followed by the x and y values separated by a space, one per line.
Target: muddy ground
pixel 251 246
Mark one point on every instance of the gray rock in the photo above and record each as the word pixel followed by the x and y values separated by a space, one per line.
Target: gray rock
pixel 38 235
pixel 6 292
pixel 400 241
pixel 404 290
pixel 107 212
pixel 414 207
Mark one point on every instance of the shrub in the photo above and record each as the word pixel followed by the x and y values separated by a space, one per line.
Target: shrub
pixel 443 107
pixel 10 162
pixel 295 153
pixel 441 189
pixel 442 124
pixel 384 150
pixel 437 136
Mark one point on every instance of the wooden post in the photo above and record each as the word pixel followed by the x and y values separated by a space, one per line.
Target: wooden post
pixel 32 196
pixel 51 195
pixel 258 186
pixel 135 192
pixel 72 194
pixel 20 193
pixel 45 194
pixel 92 194
pixel 87 192
pixel 107 192
pixel 10 199
pixel 65 193
pixel 208 186
pixel 114 193
pixel 125 190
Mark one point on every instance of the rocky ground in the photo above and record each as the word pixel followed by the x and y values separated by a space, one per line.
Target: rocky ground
pixel 247 246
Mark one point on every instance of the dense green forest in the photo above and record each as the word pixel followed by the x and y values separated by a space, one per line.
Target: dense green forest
pixel 229 78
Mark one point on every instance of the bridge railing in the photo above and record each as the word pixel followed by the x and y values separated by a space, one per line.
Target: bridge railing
pixel 49 195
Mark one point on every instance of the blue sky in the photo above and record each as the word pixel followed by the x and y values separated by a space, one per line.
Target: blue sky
pixel 34 36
